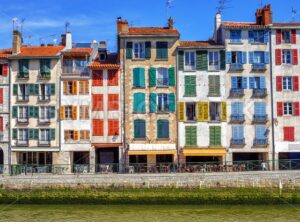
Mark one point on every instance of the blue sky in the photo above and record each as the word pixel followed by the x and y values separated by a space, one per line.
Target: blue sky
pixel 96 19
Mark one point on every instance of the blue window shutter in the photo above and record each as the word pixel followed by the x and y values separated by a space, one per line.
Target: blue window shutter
pixel 251 57
pixel 251 82
pixel 241 132
pixel 260 132
pixel 234 82
pixel 251 37
pixel 267 57
pixel 244 57
pixel 142 77
pixel 235 132
pixel 263 108
pixel 256 108
pixel 152 102
pixel 262 82
pixel 228 57
pixel 234 108
pixel 244 82
pixel 240 108
pixel 266 37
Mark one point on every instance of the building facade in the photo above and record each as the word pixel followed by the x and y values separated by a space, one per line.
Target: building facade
pixel 148 64
pixel 202 109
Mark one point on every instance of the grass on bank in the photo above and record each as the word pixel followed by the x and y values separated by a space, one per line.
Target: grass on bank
pixel 265 196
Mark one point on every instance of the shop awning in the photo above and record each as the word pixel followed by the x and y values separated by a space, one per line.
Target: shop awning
pixel 154 152
pixel 204 152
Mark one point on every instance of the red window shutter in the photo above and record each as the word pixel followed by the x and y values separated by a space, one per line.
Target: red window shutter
pixel 286 133
pixel 295 83
pixel 294 36
pixel 1 95
pixel 278 56
pixel 5 70
pixel 113 127
pixel 113 78
pixel 113 101
pixel 97 127
pixel 278 36
pixel 279 83
pixel 97 78
pixel 296 109
pixel 279 109
pixel 295 56
pixel 292 134
pixel 97 102
pixel 1 124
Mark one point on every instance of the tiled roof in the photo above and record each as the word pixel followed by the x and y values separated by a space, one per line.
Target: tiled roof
pixel 5 53
pixel 86 51
pixel 151 31
pixel 39 51
pixel 286 24
pixel 110 63
pixel 198 44
pixel 242 25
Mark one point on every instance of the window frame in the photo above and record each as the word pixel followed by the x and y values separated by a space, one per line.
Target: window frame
pixel 191 66
pixel 216 59
pixel 141 50
pixel 286 82
pixel 165 106
pixel 287 56
pixel 288 109
pixel 164 80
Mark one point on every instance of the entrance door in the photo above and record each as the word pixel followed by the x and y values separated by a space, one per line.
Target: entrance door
pixel 107 159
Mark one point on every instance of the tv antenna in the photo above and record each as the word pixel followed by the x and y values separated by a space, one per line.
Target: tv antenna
pixel 45 37
pixel 222 6
pixel 294 13
pixel 169 5
pixel 67 26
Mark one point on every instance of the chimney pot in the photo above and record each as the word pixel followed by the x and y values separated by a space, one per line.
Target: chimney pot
pixel 102 45
pixel 171 23
pixel 122 25
pixel 17 42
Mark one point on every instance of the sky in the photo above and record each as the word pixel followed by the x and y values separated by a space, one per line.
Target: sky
pixel 44 21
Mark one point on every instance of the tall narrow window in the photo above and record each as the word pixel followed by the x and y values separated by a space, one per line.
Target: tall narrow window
pixel 139 50
pixel 189 60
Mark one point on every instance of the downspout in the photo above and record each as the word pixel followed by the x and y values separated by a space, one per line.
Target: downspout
pixel 176 112
pixel 272 99
pixel 124 111
pixel 9 118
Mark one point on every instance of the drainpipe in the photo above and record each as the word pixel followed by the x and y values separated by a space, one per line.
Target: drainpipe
pixel 176 110
pixel 272 99
pixel 9 118
pixel 124 111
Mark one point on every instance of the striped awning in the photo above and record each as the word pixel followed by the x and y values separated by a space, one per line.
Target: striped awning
pixel 204 152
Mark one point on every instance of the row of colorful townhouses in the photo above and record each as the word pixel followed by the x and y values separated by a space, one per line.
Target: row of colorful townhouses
pixel 156 100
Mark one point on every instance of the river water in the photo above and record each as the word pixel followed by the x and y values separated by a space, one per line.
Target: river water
pixel 141 213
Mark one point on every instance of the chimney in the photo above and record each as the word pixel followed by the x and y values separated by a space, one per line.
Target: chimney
pixel 122 25
pixel 218 30
pixel 102 45
pixel 264 15
pixel 171 23
pixel 63 40
pixel 68 40
pixel 17 42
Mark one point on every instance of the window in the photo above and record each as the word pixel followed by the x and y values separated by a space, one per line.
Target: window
pixel 214 85
pixel 162 129
pixel 113 102
pixel 215 111
pixel 162 50
pixel 236 57
pixel 191 135
pixel 235 36
pixel 288 109
pixel 113 78
pixel 238 82
pixel 23 92
pixel 139 129
pixel 139 77
pixel 41 158
pixel 214 61
pixel 215 136
pixel 286 36
pixel 97 127
pixel 189 60
pixel 139 50
pixel 258 36
pixel 258 82
pixel 237 132
pixel 139 103
pixel 23 136
pixel 190 111
pixel 45 67
pixel 44 136
pixel 70 87
pixel 260 132
pixel 70 135
pixel 258 58
pixel 237 109
pixel 68 112
pixel 260 109
pixel 287 83
pixel 97 102
pixel 84 112
pixel 113 127
pixel 44 113
pixel 102 57
pixel 23 69
pixel 288 133
pixel 97 78
pixel 286 56
pixel 45 92
pixel 23 113
pixel 162 77
pixel 189 86
pixel 84 135
pixel 4 70
pixel 163 102
pixel 84 87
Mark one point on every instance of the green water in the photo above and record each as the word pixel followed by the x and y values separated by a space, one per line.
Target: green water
pixel 146 213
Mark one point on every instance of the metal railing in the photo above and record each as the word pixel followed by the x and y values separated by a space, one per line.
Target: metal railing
pixel 44 97
pixel 237 118
pixel 77 70
pixel 260 118
pixel 259 93
pixel 22 98
pixel 236 92
pixel 236 66
pixel 162 82
pixel 260 142
pixel 259 66
pixel 237 141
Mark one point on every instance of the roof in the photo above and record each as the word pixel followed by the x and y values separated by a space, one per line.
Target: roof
pixel 5 53
pixel 38 51
pixel 194 44
pixel 286 24
pixel 111 62
pixel 151 31
pixel 78 51
pixel 242 25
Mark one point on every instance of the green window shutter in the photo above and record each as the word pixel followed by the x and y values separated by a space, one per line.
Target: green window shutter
pixel 159 129
pixel 47 66
pixel 214 85
pixel 152 77
pixel 180 60
pixel 52 112
pixel 218 135
pixel 190 86
pixel 136 77
pixel 217 85
pixel 15 89
pixel 36 112
pixel 162 129
pixel 31 111
pixel 129 50
pixel 31 89
pixel 36 89
pixel 193 138
pixel 15 134
pixel 201 60
pixel 36 134
pixel 187 136
pixel 142 77
pixel 222 60
pixel 31 134
pixel 152 102
pixel 15 112
pixel 42 66
pixel 211 135
pixel 139 102
pixel 162 50
pixel 52 134
pixel 147 50
pixel 172 102
pixel 52 89
pixel 171 76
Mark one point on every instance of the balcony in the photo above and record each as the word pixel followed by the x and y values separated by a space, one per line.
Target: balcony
pixel 259 93
pixel 44 76
pixel 45 120
pixel 237 142
pixel 259 67
pixel 22 119
pixel 214 68
pixel 44 142
pixel 22 98
pixel 236 67
pixel 236 93
pixel 22 76
pixel 82 71
pixel 259 119
pixel 22 142
pixel 237 118
pixel 162 82
pixel 260 143
pixel 44 98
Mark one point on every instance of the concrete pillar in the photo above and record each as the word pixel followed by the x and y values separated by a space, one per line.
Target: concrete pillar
pixel 92 160
pixel 151 159
pixel 228 158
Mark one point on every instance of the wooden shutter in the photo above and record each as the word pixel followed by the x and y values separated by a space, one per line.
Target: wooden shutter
pixel 295 56
pixel 113 78
pixel 76 136
pixel 211 135
pixel 5 70
pixel 201 60
pixel 171 76
pixel 202 111
pixel 62 112
pixel 97 78
pixel 295 83
pixel 223 60
pixel 75 90
pixel 279 83
pixel 224 112
pixel 278 36
pixel 296 109
pixel 152 77
pixel 15 89
pixel 139 102
pixel 65 87
pixel 180 60
pixel 129 50
pixel 279 109
pixel 294 36
pixel 148 50
pixel 152 102
pixel 113 127
pixel 113 102
pixel 97 127
pixel 217 135
pixel 278 56
pixel 1 95
pixel 181 112
pixel 205 111
pixel 74 109
pixel 52 134
pixel 1 124
pixel 15 134
pixel 97 102
pixel 15 112
pixel 199 111
pixel 172 102
pixel 289 133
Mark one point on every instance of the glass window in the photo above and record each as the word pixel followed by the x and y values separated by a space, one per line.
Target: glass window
pixel 286 36
pixel 44 135
pixel 238 132
pixel 44 113
pixel 288 109
pixel 235 36
pixel 23 135
pixel 163 102
pixel 162 77
pixel 23 112
pixel 68 112
pixel 215 111
pixel 286 56
pixel 239 82
pixel 236 57
pixel 287 83
pixel 258 36
pixel 258 57
pixel 161 50
pixel 139 129
pixel 139 50
pixel 189 60
pixel 190 113
pixel 214 60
